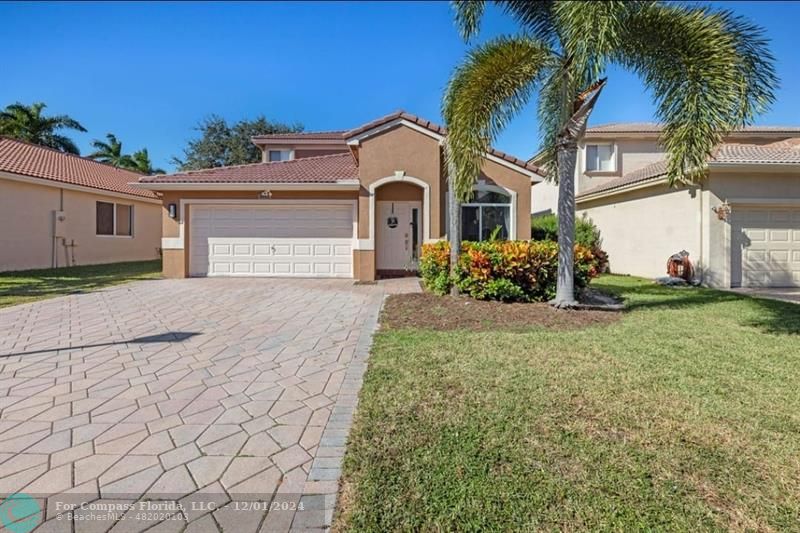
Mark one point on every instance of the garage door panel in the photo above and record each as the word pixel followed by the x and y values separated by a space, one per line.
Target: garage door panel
pixel 274 240
pixel 770 246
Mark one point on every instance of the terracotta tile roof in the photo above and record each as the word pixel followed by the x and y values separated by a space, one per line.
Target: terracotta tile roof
pixel 782 152
pixel 311 137
pixel 320 169
pixel 427 124
pixel 654 127
pixel 17 157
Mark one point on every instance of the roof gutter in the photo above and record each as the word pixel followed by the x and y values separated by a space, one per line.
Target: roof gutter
pixel 349 185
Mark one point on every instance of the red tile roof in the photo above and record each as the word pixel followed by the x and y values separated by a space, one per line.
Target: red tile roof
pixel 18 157
pixel 435 128
pixel 320 169
pixel 778 153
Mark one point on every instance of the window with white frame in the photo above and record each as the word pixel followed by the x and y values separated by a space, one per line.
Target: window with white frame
pixel 114 219
pixel 279 155
pixel 600 157
pixel 487 214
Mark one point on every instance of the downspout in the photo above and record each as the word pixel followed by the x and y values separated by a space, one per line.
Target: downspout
pixel 701 258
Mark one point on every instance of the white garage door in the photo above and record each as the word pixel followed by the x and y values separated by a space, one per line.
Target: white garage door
pixel 300 240
pixel 770 246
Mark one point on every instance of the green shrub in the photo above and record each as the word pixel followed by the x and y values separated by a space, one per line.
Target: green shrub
pixel 545 228
pixel 434 267
pixel 503 270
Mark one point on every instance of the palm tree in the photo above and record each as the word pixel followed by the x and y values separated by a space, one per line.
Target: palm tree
pixel 26 123
pixel 708 71
pixel 141 163
pixel 111 152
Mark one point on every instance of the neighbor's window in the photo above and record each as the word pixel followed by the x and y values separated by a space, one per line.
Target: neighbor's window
pixel 105 218
pixel 600 157
pixel 114 219
pixel 484 214
pixel 280 155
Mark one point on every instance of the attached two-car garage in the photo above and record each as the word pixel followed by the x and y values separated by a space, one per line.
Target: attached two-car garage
pixel 272 239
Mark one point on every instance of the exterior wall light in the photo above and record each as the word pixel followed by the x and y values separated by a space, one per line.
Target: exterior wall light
pixel 173 210
pixel 265 194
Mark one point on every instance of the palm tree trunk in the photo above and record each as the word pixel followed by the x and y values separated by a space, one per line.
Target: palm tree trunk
pixel 565 288
pixel 453 233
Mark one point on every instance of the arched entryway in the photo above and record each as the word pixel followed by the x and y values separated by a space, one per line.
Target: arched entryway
pixel 399 227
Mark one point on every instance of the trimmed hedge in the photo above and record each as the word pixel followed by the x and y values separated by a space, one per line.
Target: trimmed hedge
pixel 545 228
pixel 517 271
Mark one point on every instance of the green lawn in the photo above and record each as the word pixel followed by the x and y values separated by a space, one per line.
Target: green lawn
pixel 683 415
pixel 30 285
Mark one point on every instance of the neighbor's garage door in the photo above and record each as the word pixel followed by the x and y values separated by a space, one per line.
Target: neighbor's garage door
pixel 770 246
pixel 301 240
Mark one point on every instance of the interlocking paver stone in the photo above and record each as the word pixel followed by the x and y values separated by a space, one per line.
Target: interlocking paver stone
pixel 206 388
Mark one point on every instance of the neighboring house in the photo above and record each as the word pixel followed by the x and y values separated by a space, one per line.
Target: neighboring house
pixel 59 209
pixel 353 204
pixel 621 185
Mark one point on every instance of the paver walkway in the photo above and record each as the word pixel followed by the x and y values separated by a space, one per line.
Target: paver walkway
pixel 232 397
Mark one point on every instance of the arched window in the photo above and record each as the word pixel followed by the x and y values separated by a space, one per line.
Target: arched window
pixel 488 210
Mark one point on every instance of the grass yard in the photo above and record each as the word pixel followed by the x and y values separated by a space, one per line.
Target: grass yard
pixel 29 285
pixel 683 415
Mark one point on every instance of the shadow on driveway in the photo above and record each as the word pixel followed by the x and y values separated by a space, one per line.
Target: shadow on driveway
pixel 171 336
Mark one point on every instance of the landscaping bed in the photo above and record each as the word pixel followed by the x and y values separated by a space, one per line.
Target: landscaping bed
pixel 444 313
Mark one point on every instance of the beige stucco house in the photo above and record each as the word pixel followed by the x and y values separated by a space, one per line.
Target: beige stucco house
pixel 352 204
pixel 59 209
pixel 621 185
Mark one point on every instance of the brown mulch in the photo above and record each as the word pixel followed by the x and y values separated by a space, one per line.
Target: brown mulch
pixel 445 313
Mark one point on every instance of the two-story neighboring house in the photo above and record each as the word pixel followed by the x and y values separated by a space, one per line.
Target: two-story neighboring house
pixel 741 224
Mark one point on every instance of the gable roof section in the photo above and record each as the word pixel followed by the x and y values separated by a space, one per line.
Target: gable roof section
pixel 26 159
pixel 786 152
pixel 400 117
pixel 311 137
pixel 324 169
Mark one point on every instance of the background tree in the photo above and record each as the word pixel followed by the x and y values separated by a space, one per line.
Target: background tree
pixel 27 123
pixel 111 152
pixel 221 144
pixel 141 163
pixel 709 72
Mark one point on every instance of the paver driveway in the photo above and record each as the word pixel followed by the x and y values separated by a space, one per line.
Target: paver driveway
pixel 205 391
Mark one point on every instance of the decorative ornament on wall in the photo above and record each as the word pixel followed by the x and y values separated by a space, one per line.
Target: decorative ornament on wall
pixel 723 210
pixel 391 220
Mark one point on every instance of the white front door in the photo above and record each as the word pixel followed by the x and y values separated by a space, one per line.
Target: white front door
pixel 292 239
pixel 398 235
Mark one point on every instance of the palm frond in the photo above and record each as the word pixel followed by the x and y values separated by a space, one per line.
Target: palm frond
pixel 535 17
pixel 468 16
pixel 709 72
pixel 485 93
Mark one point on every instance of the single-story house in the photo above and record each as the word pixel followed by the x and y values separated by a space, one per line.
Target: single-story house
pixel 740 225
pixel 352 204
pixel 60 209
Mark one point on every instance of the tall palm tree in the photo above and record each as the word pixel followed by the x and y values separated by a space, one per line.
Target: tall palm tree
pixel 708 72
pixel 141 163
pixel 111 152
pixel 26 123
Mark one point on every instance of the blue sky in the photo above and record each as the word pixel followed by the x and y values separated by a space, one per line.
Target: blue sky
pixel 148 72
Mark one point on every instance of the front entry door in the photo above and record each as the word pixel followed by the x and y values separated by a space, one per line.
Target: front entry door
pixel 398 232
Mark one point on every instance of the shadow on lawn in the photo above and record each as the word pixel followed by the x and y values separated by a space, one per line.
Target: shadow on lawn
pixel 773 316
pixel 171 336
